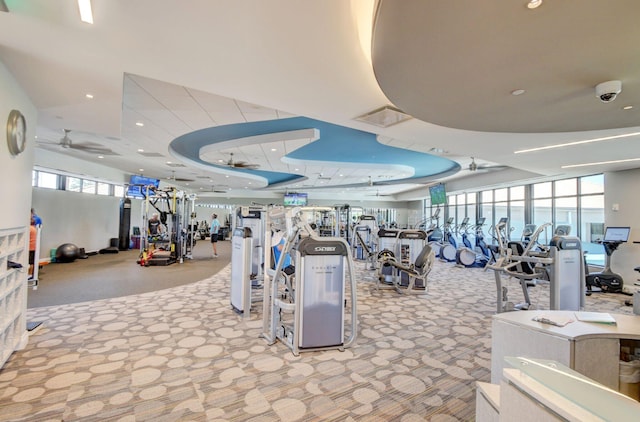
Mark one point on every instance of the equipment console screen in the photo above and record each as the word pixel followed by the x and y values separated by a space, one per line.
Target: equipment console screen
pixel 616 234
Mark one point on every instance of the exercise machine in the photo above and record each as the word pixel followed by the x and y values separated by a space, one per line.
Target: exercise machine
pixel 364 241
pixel 607 280
pixel 448 245
pixel 306 308
pixel 405 264
pixel 253 218
pixel 563 267
pixel 466 255
pixel 242 283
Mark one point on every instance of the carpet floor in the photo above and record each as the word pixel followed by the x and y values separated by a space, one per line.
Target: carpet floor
pixel 182 354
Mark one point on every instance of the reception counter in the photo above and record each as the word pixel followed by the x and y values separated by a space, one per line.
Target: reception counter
pixel 590 348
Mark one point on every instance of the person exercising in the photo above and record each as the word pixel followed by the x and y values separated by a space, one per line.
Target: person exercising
pixel 215 229
pixel 155 225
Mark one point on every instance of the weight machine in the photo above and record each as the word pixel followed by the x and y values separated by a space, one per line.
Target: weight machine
pixel 405 264
pixel 253 218
pixel 364 240
pixel 304 305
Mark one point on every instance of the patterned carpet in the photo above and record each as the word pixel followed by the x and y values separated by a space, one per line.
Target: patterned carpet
pixel 183 354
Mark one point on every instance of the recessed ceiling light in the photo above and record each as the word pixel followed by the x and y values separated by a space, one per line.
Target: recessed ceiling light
pixel 586 141
pixel 140 169
pixel 517 92
pixel 140 150
pixel 89 96
pixel 296 169
pixel 227 176
pixel 534 4
pixel 274 149
pixel 168 162
pixel 628 107
pixel 100 156
pixel 221 161
pixel 139 124
pixel 627 160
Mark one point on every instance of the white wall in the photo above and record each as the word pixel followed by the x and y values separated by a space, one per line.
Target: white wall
pixel 87 221
pixel 16 171
pixel 621 188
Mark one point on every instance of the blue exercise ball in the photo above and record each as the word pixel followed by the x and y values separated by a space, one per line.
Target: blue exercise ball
pixel 67 252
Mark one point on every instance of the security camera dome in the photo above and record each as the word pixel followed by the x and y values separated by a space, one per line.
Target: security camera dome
pixel 608 91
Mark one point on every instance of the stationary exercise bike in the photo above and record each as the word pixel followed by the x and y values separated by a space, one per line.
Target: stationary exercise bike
pixel 606 280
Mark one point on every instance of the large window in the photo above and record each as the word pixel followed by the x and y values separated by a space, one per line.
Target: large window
pixel 72 183
pixel 47 180
pixel 591 207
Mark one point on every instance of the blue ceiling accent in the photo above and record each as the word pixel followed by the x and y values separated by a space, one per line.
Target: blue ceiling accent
pixel 338 144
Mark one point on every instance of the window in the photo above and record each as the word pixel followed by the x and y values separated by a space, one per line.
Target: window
pixel 501 195
pixel 592 218
pixel 517 193
pixel 542 190
pixel 73 184
pixel 592 184
pixel 88 186
pixel 566 187
pixel 103 188
pixel 566 213
pixel 47 180
pixel 118 191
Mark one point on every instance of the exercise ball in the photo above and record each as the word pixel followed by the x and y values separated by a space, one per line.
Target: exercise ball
pixel 67 252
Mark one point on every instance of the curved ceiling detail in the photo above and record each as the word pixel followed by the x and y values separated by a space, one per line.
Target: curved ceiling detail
pixel 329 144
pixel 458 68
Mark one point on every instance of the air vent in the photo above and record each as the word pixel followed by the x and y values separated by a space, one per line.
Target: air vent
pixel 176 165
pixel 384 117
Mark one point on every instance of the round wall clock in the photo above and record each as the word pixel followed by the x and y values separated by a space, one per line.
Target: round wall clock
pixel 16 132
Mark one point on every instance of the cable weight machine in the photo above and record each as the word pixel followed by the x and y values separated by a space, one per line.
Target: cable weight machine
pixel 305 305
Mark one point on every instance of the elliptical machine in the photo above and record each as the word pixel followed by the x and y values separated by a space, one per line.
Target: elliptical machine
pixel 466 255
pixel 449 246
pixel 606 280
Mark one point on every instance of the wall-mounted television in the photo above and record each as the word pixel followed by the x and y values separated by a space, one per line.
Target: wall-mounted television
pixel 137 186
pixel 438 194
pixel 295 199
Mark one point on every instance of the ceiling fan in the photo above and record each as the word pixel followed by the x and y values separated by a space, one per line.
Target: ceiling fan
pixel 173 178
pixel 219 189
pixel 90 147
pixel 378 194
pixel 473 166
pixel 240 164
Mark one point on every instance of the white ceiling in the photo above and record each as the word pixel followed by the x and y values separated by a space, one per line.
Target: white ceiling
pixel 182 66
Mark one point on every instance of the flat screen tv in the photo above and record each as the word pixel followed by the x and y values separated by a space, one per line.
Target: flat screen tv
pixel 137 186
pixel 295 199
pixel 438 194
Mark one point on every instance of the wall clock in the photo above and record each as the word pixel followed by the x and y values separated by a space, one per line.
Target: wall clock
pixel 16 132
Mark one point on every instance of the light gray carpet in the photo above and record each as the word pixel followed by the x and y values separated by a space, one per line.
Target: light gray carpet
pixel 183 354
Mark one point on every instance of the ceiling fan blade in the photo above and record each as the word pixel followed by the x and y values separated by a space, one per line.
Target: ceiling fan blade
pixel 92 149
pixel 244 165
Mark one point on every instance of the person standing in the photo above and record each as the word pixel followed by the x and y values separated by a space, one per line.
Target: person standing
pixel 215 229
pixel 33 239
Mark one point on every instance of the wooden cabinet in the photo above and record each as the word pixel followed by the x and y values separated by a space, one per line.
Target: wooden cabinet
pixel 13 290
